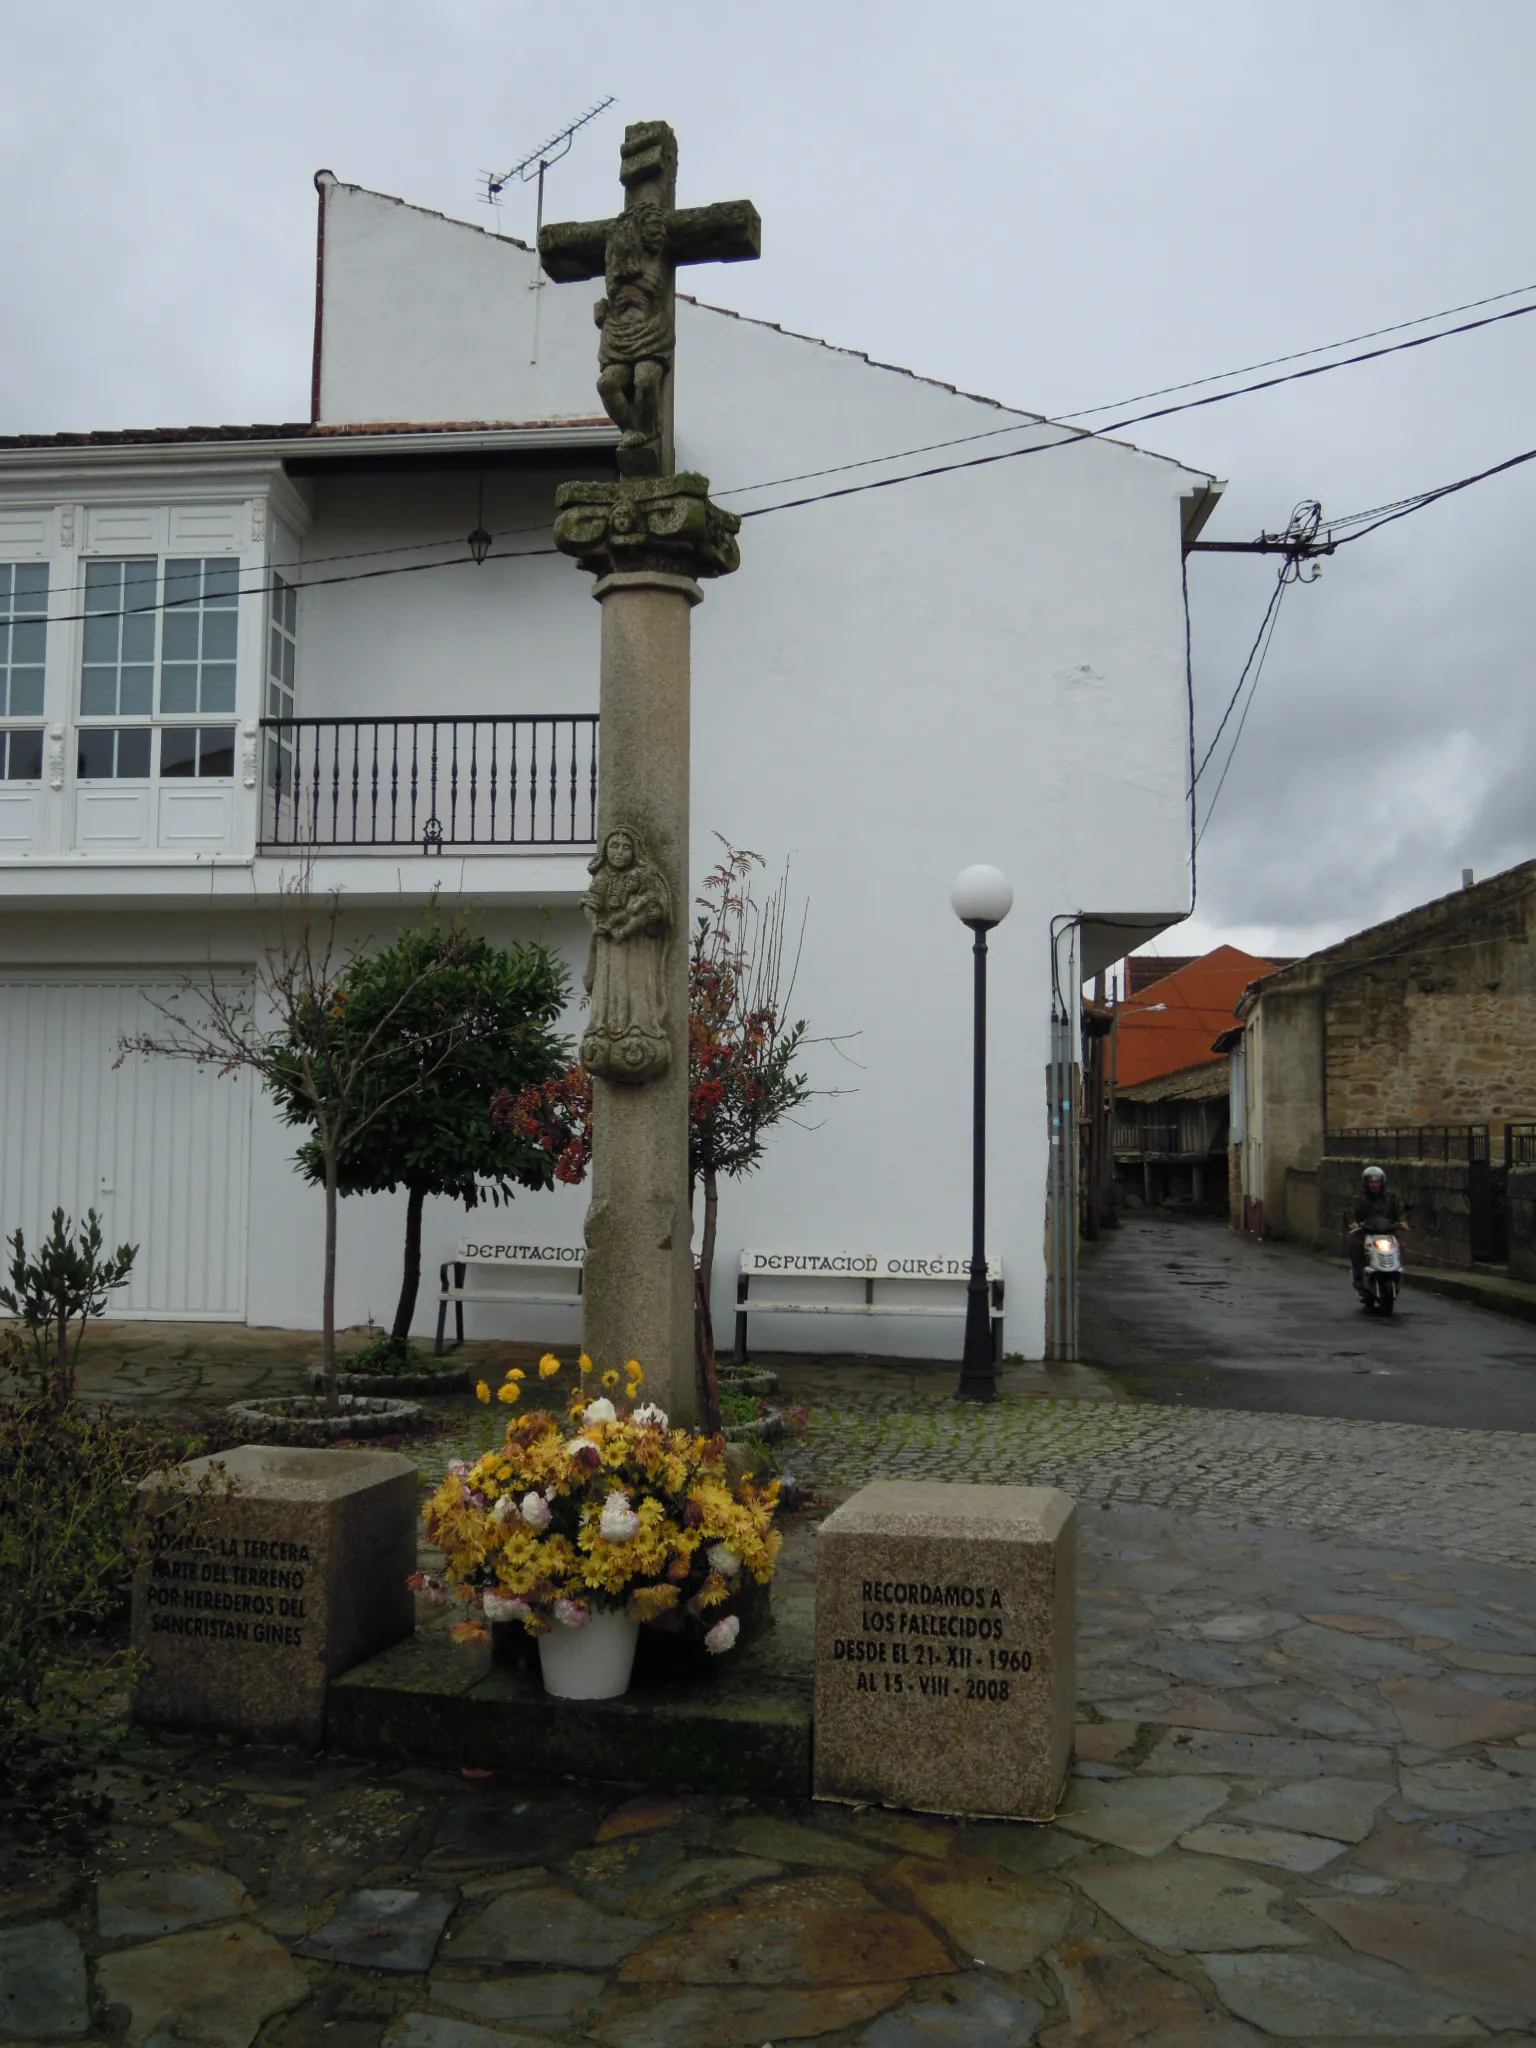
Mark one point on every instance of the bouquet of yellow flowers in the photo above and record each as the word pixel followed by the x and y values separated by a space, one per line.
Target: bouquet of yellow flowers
pixel 606 1511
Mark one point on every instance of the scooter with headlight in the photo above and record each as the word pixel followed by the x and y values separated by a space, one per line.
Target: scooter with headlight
pixel 1383 1274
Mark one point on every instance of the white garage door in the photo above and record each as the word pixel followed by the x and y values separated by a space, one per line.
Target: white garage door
pixel 159 1147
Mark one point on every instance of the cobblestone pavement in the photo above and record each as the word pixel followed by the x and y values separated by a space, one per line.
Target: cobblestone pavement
pixel 1303 1810
pixel 1470 1493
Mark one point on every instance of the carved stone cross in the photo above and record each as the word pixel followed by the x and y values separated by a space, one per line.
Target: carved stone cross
pixel 637 254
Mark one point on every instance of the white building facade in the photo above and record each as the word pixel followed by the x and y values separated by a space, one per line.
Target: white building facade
pixel 987 665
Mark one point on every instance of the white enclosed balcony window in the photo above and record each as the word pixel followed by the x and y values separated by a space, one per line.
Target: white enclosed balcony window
pixel 197 646
pixel 158 666
pixel 117 672
pixel 21 754
pixel 282 647
pixel 197 750
pixel 282 667
pixel 23 643
pixel 111 753
pixel 23 638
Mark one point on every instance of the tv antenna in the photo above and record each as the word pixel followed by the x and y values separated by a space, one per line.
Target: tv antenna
pixel 534 165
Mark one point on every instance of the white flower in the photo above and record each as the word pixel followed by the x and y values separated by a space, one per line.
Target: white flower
pixel 499 1609
pixel 579 1443
pixel 504 1507
pixel 723 1635
pixel 570 1614
pixel 600 1411
pixel 535 1510
pixel 650 1416
pixel 619 1521
pixel 724 1560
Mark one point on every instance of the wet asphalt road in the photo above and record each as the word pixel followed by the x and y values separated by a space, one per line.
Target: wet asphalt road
pixel 1187 1313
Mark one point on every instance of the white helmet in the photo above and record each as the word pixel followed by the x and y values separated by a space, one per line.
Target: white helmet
pixel 1374 1173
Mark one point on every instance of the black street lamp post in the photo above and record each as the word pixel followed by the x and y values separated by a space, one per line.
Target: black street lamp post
pixel 982 897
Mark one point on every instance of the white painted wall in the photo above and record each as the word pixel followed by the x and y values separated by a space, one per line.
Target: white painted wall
pixel 984 666
pixel 460 318
pixel 506 636
pixel 71 1112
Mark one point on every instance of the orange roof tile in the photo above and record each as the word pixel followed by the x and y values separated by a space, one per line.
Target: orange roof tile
pixel 1169 1024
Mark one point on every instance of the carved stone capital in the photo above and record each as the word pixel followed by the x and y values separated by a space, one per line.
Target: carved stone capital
pixel 664 523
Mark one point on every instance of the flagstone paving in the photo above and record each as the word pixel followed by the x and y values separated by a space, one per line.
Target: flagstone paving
pixel 1304 1841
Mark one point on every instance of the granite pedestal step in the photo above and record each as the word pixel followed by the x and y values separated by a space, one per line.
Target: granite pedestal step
pixel 741 1724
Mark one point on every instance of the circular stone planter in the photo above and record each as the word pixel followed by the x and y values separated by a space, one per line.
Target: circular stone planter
pixel 748 1382
pixel 301 1419
pixel 393 1384
pixel 767 1429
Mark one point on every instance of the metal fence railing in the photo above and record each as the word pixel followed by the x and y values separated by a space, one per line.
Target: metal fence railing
pixel 1520 1144
pixel 518 779
pixel 1463 1142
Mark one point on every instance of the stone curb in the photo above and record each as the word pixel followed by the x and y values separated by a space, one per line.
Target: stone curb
pixel 748 1382
pixel 360 1416
pixel 1475 1293
pixel 392 1384
pixel 767 1429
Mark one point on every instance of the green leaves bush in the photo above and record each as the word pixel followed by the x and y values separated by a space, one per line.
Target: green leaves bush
pixel 71 1536
pixel 56 1293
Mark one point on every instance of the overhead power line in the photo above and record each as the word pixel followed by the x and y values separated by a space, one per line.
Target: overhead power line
pixel 1297 355
pixel 1404 506
pixel 1258 640
pixel 1266 635
pixel 1398 510
pixel 1099 433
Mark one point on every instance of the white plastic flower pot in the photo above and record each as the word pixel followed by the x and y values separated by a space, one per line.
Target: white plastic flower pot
pixel 592 1662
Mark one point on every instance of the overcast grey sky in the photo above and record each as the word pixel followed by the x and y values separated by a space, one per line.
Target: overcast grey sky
pixel 1055 206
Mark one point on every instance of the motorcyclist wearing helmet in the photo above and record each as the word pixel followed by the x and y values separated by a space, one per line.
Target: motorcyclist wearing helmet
pixel 1375 1202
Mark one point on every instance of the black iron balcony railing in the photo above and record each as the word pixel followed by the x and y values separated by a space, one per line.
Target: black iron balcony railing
pixel 516 780
pixel 1520 1144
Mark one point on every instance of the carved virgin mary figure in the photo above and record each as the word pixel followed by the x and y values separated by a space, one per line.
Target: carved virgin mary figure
pixel 629 907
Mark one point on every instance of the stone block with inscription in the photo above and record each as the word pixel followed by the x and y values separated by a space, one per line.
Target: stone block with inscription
pixel 295 1573
pixel 945 1648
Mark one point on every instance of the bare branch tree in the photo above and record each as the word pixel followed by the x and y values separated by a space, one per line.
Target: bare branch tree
pixel 289 1028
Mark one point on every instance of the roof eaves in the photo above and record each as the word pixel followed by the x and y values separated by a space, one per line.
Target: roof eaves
pixel 290 431
pixel 451 220
pixel 1407 927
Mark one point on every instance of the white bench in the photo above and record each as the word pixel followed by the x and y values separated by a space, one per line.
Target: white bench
pixel 567 1260
pixel 845 1284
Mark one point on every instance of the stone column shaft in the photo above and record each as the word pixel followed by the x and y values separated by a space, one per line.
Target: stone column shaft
pixel 638 1288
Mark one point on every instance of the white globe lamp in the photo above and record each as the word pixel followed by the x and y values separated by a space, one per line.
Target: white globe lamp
pixel 981 896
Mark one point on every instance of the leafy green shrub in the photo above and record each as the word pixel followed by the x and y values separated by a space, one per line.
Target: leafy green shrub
pixel 72 1532
pixel 56 1293
pixel 387 1353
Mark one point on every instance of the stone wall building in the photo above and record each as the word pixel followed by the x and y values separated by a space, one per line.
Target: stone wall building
pixel 1420 1027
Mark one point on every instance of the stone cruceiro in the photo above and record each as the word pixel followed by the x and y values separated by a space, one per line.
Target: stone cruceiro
pixel 945 1638
pixel 647 538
